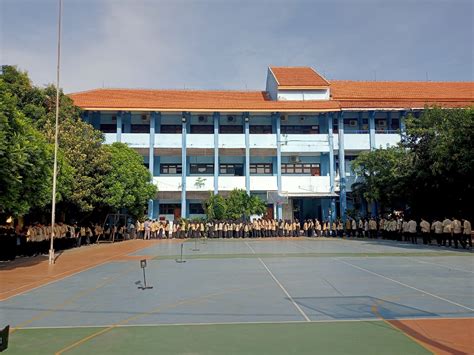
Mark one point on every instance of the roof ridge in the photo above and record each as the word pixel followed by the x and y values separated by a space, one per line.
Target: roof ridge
pixel 399 81
pixel 170 90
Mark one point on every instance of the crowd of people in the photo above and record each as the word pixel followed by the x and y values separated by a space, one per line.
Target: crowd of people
pixel 449 232
pixel 35 239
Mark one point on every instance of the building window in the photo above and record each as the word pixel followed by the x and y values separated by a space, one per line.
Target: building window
pixel 231 169
pixel 261 169
pixel 231 129
pixel 170 128
pixel 201 169
pixel 202 129
pixel 261 129
pixel 108 128
pixel 196 208
pixel 395 124
pixel 299 129
pixel 140 128
pixel 170 169
pixel 168 208
pixel 301 169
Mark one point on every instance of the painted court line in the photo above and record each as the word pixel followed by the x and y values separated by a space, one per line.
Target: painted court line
pixel 405 285
pixel 241 323
pixel 442 265
pixel 280 285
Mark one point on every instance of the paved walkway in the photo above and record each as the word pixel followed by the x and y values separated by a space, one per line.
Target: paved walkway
pixel 26 274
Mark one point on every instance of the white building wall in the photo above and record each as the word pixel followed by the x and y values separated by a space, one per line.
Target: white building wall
pixel 272 85
pixel 303 95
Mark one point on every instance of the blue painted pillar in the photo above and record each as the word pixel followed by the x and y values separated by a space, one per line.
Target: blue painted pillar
pixel 127 124
pixel 372 129
pixel 154 116
pixel 389 121
pixel 342 168
pixel 119 126
pixel 331 164
pixel 216 152
pixel 246 119
pixel 184 121
pixel 278 158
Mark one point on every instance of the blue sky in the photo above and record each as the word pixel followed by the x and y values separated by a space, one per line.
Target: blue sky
pixel 228 44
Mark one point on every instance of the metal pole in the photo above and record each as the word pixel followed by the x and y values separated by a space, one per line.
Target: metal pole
pixel 55 167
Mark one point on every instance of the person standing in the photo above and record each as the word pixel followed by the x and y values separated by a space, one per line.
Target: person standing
pixel 147 226
pixel 354 228
pixel 456 230
pixel 372 228
pixel 447 231
pixel 412 231
pixel 467 232
pixel 437 228
pixel 425 231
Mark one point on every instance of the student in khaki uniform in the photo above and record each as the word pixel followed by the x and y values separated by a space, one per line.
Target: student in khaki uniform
pixel 354 228
pixel 317 227
pixel 340 228
pixel 437 228
pixel 372 228
pixel 467 232
pixel 412 231
pixel 425 231
pixel 456 230
pixel 447 231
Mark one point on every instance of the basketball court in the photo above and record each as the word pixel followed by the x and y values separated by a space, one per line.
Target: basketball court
pixel 251 296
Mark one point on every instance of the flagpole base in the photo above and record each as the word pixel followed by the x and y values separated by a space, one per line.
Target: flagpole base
pixel 51 256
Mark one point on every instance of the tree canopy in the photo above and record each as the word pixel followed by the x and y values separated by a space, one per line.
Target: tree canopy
pixel 90 174
pixel 432 169
pixel 237 205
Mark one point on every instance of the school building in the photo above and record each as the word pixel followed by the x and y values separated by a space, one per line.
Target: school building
pixel 295 140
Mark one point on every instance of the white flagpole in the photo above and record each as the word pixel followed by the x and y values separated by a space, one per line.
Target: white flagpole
pixel 55 168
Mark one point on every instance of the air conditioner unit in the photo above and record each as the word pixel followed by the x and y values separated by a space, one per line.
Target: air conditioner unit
pixel 284 118
pixel 353 123
pixel 295 159
pixel 230 118
pixel 145 117
pixel 202 119
pixel 381 123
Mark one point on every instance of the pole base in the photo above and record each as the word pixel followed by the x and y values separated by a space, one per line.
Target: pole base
pixel 51 257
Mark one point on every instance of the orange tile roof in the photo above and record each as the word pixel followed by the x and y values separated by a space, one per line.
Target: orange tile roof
pixel 344 95
pixel 297 77
pixel 192 100
pixel 389 90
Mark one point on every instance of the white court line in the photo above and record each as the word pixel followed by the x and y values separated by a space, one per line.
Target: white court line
pixel 242 323
pixel 442 265
pixel 281 286
pixel 405 285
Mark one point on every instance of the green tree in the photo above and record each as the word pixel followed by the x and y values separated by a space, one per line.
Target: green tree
pixel 236 206
pixel 431 171
pixel 215 207
pixel 127 184
pixel 442 179
pixel 25 159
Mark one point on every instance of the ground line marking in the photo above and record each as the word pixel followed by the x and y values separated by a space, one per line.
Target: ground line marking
pixel 441 265
pixel 405 285
pixel 280 285
pixel 242 323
